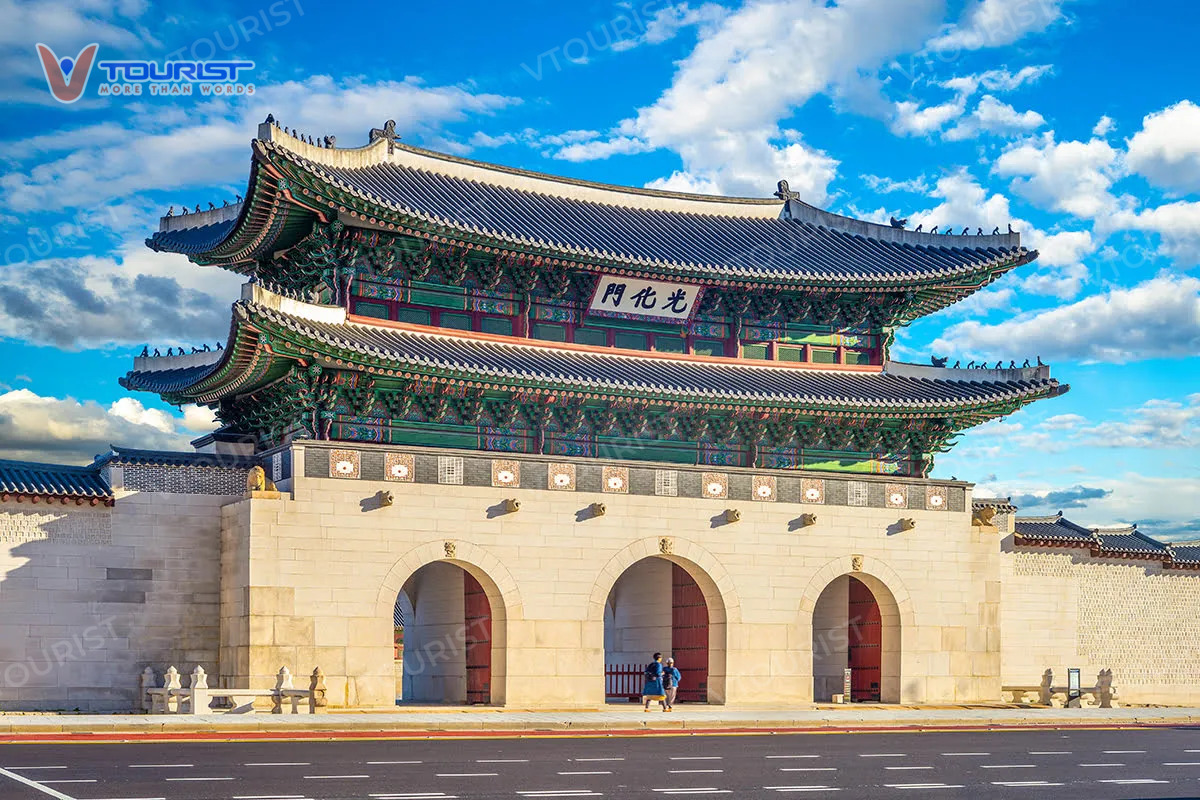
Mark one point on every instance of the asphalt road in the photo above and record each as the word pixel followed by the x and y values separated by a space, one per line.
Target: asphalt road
pixel 1096 765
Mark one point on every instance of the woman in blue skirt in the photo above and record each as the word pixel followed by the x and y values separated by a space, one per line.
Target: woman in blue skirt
pixel 654 684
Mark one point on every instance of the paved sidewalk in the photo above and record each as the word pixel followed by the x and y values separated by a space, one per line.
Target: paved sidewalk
pixel 433 720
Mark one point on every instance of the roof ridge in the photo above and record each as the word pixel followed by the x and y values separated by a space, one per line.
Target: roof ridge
pixel 43 465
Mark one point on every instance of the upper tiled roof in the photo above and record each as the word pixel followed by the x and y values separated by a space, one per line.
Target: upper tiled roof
pixel 782 241
pixel 52 480
pixel 1053 529
pixel 514 361
pixel 725 245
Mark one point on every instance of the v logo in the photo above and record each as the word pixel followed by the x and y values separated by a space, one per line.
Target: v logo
pixel 56 72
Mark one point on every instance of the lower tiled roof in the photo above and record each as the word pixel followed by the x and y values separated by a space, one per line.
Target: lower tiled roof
pixel 191 240
pixel 491 360
pixel 25 478
pixel 129 456
pixel 1053 529
pixel 1128 540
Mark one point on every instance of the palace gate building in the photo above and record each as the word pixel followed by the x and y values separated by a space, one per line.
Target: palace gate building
pixel 519 432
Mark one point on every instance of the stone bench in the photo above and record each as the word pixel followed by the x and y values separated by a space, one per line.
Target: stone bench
pixel 1101 695
pixel 198 698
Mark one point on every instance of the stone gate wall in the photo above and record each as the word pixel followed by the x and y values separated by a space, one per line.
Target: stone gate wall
pixel 1064 608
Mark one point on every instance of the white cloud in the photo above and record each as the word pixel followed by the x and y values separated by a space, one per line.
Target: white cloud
pixel 965 203
pixel 1104 126
pixel 1178 225
pixel 602 148
pixel 1167 148
pixel 997 80
pixel 911 119
pixel 669 20
pixel 164 150
pixel 997 118
pixel 993 23
pixel 885 185
pixel 1072 177
pixel 36 428
pixel 1062 422
pixel 135 296
pixel 723 111
pixel 1156 424
pixel 1156 319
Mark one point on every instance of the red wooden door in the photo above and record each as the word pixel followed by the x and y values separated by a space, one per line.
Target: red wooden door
pixel 865 640
pixel 478 621
pixel 689 636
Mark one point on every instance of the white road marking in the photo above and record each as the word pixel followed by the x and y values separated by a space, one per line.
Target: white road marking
pixel 908 767
pixel 160 766
pixel 415 796
pixel 1101 765
pixel 692 771
pixel 803 788
pixel 1125 781
pixel 805 756
pixel 924 785
pixel 200 779
pixel 595 759
pixel 72 780
pixel 704 790
pixel 278 764
pixel 332 777
pixel 1007 766
pixel 1049 752
pixel 502 761
pixel 465 774
pixel 1181 763
pixel 696 758
pixel 585 772
pixel 25 769
pixel 562 793
pixel 1024 783
pixel 269 797
pixel 1119 752
pixel 395 762
pixel 966 754
pixel 32 784
pixel 808 769
pixel 883 755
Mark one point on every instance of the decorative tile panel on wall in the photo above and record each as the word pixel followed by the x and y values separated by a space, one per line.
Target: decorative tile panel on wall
pixel 169 479
pixel 615 480
pixel 400 467
pixel 857 493
pixel 666 482
pixel 764 489
pixel 714 485
pixel 20 524
pixel 896 495
pixel 812 490
pixel 561 477
pixel 450 469
pixel 345 464
pixel 506 472
pixel 936 498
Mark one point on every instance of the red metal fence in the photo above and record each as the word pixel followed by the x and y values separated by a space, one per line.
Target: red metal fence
pixel 624 681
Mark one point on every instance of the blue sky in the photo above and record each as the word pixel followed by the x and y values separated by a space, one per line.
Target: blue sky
pixel 1075 120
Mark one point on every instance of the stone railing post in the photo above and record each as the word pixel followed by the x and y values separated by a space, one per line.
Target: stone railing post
pixel 316 692
pixel 1104 690
pixel 198 696
pixel 148 682
pixel 171 683
pixel 282 681
pixel 1046 692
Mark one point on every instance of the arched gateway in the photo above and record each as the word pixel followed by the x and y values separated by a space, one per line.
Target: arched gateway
pixel 856 626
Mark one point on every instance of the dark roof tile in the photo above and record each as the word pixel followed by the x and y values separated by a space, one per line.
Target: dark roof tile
pixel 52 480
